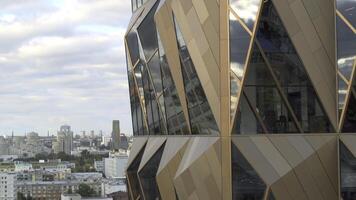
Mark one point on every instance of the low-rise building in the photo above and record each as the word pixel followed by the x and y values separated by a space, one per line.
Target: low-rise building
pixel 99 165
pixel 8 186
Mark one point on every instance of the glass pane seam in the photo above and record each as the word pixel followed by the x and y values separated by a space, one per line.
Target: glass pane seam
pixel 248 58
pixel 343 77
pixel 256 113
pixel 347 99
pixel 279 88
pixel 240 20
pixel 342 17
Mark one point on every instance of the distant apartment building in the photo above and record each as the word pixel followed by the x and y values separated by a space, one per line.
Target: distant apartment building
pixel 8 186
pixel 115 135
pixel 115 165
pixel 64 141
pixel 99 165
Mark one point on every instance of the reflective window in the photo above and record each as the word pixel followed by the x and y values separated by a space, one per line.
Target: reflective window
pixel 346 48
pixel 342 93
pixel 290 72
pixel 155 70
pixel 349 125
pixel 234 90
pixel 239 44
pixel 148 176
pixel 133 177
pixel 246 10
pixel 263 94
pixel 147 33
pixel 132 43
pixel 202 120
pixel 347 173
pixel 176 123
pixel 246 121
pixel 246 184
pixel 348 9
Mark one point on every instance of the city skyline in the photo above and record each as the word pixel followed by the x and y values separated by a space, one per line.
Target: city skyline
pixel 63 62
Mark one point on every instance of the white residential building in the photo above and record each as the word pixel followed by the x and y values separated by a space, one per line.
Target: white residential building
pixel 8 186
pixel 115 165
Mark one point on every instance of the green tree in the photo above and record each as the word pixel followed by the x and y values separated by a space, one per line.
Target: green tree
pixel 85 190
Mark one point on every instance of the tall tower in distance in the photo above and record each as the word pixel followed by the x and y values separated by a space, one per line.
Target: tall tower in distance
pixel 115 135
pixel 64 141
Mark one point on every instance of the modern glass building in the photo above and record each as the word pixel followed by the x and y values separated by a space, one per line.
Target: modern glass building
pixel 242 99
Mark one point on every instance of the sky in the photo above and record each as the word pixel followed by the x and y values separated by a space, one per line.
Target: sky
pixel 63 62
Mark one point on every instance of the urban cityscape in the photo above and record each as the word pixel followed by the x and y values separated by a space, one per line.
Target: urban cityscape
pixel 178 100
pixel 58 166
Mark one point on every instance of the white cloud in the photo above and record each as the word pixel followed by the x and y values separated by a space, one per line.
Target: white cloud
pixel 63 62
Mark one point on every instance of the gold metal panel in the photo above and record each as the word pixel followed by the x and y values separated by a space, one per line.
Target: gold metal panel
pixel 256 159
pixel 201 9
pixel 280 191
pixel 328 155
pixel 265 146
pixel 213 9
pixel 165 185
pixel 195 149
pixel 166 29
pixel 153 144
pixel 138 143
pixel 174 145
pixel 285 148
pixel 321 178
pixel 306 179
pixel 213 39
pixel 291 24
pixel 293 186
pixel 301 145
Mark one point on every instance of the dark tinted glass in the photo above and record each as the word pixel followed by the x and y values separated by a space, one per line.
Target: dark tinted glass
pixel 263 94
pixel 346 48
pixel 155 70
pixel 148 176
pixel 147 33
pixel 176 123
pixel 348 9
pixel 239 44
pixel 246 184
pixel 201 118
pixel 246 121
pixel 140 99
pixel 246 10
pixel 349 125
pixel 132 43
pixel 133 94
pixel 290 72
pixel 347 173
pixel 133 177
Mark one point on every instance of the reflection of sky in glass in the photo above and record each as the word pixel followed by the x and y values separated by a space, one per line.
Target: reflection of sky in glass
pixel 234 88
pixel 246 10
pixel 346 48
pixel 342 92
pixel 348 9
pixel 239 44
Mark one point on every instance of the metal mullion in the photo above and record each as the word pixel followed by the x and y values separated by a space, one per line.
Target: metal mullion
pixel 257 114
pixel 143 110
pixel 346 21
pixel 240 87
pixel 279 88
pixel 139 180
pixel 343 77
pixel 347 98
pixel 240 20
pixel 248 58
pixel 149 59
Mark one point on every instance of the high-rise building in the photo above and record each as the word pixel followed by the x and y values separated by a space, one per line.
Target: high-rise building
pixel 64 141
pixel 242 99
pixel 115 135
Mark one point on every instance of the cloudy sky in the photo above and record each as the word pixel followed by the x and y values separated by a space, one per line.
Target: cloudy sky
pixel 63 62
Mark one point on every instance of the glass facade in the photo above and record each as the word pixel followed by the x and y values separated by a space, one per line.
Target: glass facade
pixel 148 176
pixel 133 178
pixel 347 173
pixel 202 120
pixel 246 184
